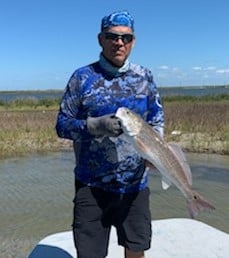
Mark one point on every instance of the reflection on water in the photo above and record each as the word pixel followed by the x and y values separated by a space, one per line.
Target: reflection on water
pixel 36 197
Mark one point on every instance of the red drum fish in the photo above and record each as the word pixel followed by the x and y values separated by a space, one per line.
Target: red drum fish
pixel 169 159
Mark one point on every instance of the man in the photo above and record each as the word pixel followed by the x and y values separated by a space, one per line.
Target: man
pixel 110 177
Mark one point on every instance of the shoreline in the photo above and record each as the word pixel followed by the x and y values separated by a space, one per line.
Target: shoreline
pixel 200 143
pixel 196 126
pixel 186 142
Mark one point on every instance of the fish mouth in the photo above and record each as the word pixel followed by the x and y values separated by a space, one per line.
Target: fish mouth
pixel 118 114
pixel 121 112
pixel 125 118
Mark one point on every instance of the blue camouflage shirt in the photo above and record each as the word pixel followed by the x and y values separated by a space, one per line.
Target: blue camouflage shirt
pixel 108 163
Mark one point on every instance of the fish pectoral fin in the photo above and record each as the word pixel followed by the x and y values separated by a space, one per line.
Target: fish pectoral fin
pixel 165 183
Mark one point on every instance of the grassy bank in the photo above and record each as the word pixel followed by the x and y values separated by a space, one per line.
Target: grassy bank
pixel 197 124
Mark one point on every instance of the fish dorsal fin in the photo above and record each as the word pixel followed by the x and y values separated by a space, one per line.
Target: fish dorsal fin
pixel 183 161
pixel 165 183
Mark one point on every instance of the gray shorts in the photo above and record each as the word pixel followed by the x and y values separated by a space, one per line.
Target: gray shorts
pixel 95 211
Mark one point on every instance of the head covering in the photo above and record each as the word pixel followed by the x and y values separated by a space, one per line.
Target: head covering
pixel 119 18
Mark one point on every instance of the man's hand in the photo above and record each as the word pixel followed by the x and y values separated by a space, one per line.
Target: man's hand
pixel 107 125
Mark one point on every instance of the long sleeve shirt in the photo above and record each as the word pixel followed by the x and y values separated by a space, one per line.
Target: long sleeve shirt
pixel 108 163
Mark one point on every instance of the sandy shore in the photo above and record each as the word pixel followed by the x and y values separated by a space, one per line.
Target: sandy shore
pixel 200 143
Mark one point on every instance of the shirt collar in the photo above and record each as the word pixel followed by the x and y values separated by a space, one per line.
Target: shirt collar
pixel 111 69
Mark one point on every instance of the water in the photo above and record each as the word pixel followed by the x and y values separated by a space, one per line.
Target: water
pixel 35 95
pixel 164 91
pixel 193 91
pixel 36 197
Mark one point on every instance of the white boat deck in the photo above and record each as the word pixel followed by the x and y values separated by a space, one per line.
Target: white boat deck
pixel 172 238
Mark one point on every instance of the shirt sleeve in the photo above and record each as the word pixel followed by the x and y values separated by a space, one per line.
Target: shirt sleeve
pixel 70 124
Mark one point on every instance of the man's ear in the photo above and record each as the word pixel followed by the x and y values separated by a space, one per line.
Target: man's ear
pixel 133 43
pixel 100 39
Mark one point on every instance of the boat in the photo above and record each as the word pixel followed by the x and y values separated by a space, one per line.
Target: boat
pixel 172 238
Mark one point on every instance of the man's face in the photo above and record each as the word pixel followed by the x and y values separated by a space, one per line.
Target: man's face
pixel 116 43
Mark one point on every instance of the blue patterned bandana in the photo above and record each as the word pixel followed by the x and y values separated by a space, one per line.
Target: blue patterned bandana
pixel 119 18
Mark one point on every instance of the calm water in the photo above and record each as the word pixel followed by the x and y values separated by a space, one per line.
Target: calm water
pixel 167 91
pixel 36 197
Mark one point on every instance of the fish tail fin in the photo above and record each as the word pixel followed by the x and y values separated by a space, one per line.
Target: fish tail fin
pixel 198 204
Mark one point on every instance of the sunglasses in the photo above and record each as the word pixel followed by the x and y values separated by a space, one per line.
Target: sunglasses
pixel 126 38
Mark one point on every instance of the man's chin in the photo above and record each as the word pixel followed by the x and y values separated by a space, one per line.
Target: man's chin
pixel 118 60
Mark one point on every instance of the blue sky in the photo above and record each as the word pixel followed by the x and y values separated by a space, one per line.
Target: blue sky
pixel 42 42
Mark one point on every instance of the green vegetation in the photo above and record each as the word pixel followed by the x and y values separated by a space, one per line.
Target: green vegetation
pixel 193 99
pixel 23 132
pixel 53 103
pixel 30 103
pixel 201 125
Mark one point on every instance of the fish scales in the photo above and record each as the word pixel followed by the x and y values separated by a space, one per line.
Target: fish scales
pixel 167 158
pixel 157 150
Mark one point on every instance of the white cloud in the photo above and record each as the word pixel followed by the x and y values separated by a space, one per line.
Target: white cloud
pixel 210 68
pixel 222 71
pixel 163 67
pixel 194 75
pixel 197 68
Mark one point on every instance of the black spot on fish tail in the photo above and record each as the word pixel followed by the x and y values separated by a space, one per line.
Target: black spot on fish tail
pixel 198 204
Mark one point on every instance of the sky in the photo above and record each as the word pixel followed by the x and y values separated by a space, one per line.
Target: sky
pixel 42 42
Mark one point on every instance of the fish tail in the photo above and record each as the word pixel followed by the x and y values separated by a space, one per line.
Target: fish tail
pixel 198 204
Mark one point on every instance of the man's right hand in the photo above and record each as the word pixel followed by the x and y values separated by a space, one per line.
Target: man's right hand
pixel 107 125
